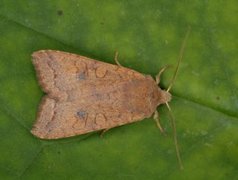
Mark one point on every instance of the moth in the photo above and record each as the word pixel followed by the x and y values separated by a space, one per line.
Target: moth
pixel 85 95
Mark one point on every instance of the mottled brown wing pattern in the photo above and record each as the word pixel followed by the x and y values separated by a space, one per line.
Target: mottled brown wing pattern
pixel 85 95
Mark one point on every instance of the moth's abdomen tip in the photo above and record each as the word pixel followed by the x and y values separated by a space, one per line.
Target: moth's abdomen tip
pixel 37 133
pixel 45 134
pixel 41 134
pixel 39 54
pixel 36 53
pixel 36 56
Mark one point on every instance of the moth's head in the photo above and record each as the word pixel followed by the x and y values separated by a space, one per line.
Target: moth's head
pixel 164 96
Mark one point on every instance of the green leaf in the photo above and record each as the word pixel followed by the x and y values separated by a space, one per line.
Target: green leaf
pixel 148 35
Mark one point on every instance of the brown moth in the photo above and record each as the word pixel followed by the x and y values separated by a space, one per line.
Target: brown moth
pixel 85 95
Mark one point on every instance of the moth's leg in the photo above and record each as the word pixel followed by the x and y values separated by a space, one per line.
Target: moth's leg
pixel 116 59
pixel 156 118
pixel 103 132
pixel 157 77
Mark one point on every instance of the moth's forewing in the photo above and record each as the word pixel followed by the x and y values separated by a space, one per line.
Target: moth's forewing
pixel 85 95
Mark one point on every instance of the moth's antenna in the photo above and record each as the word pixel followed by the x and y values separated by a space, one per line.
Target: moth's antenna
pixel 181 52
pixel 175 137
pixel 170 111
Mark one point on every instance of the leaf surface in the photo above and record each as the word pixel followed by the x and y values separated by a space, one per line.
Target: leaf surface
pixel 147 35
